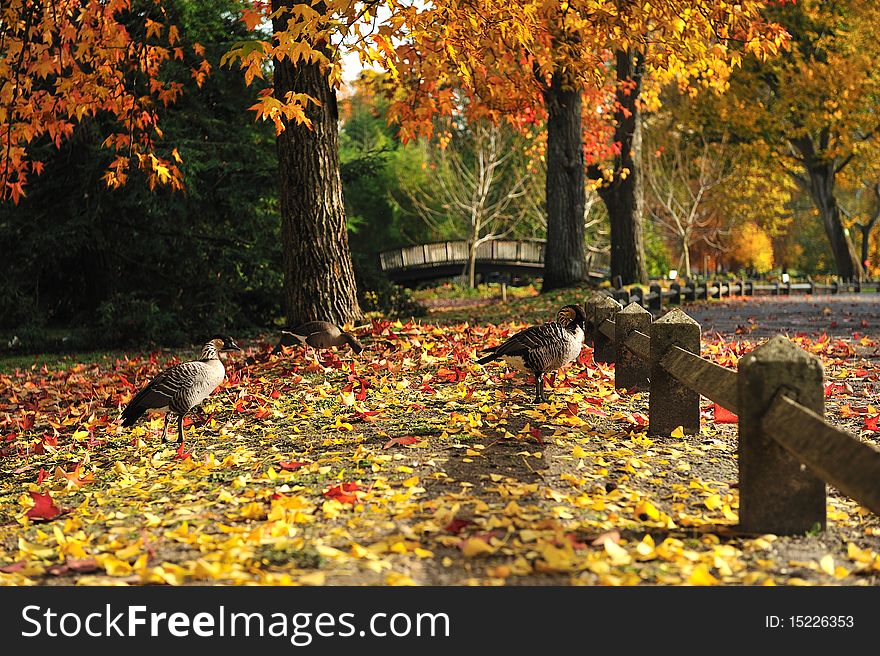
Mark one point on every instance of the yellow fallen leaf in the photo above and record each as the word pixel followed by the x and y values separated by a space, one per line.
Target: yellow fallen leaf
pixel 702 576
pixel 677 432
pixel 475 547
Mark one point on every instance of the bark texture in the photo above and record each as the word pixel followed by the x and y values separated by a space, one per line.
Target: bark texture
pixel 819 179
pixel 624 196
pixel 565 255
pixel 319 279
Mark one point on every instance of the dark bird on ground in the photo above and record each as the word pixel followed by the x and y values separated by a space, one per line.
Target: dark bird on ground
pixel 318 335
pixel 542 349
pixel 180 388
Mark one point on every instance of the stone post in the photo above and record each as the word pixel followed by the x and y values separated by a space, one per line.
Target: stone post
pixel 604 307
pixel 671 403
pixel 776 493
pixel 631 371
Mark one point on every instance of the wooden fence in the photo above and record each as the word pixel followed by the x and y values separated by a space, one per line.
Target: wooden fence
pixel 787 451
pixel 656 296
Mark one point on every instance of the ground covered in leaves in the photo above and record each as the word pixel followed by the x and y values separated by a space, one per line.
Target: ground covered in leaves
pixel 412 465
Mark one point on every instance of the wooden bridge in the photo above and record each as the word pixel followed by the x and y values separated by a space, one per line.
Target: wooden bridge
pixel 444 259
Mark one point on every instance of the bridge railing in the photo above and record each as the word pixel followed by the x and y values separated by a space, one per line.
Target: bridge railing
pixel 786 449
pixel 525 251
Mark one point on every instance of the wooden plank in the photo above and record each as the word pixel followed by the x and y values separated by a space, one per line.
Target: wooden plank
pixel 709 379
pixel 851 466
pixel 640 344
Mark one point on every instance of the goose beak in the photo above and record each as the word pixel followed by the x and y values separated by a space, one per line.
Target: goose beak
pixel 231 346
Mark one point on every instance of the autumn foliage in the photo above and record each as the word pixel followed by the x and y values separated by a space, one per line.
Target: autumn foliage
pixel 65 62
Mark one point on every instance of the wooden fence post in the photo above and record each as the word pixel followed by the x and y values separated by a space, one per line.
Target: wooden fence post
pixel 691 285
pixel 671 403
pixel 630 371
pixel 603 307
pixel 656 303
pixel 636 295
pixel 776 493
pixel 675 299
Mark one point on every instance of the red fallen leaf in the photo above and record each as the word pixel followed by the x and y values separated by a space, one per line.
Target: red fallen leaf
pixel 607 536
pixel 457 525
pixel 343 492
pixel 573 540
pixel 724 416
pixel 182 454
pixel 292 465
pixel 871 423
pixel 44 507
pixel 572 408
pixel 83 565
pixel 13 567
pixel 638 419
pixel 536 433
pixel 595 411
pixel 831 388
pixel 402 441
pixel 42 476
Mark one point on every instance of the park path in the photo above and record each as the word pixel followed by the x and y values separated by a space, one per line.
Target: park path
pixel 758 317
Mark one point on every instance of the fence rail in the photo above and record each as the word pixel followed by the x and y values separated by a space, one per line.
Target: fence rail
pixel 786 449
pixel 656 297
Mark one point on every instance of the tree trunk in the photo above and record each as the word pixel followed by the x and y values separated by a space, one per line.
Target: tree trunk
pixel 319 279
pixel 819 182
pixel 565 262
pixel 472 264
pixel 624 198
pixel 821 187
pixel 686 252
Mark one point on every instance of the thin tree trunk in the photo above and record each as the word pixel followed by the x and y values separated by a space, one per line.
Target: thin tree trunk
pixel 624 197
pixel 319 279
pixel 565 262
pixel 686 249
pixel 472 263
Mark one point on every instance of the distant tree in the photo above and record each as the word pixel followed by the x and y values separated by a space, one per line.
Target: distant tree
pixel 478 182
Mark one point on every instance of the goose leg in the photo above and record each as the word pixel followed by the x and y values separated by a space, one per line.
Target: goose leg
pixel 165 428
pixel 180 429
pixel 539 388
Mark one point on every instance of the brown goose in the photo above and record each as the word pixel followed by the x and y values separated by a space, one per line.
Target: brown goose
pixel 542 349
pixel 180 388
pixel 318 335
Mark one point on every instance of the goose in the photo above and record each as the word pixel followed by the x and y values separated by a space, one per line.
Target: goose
pixel 180 388
pixel 318 335
pixel 542 349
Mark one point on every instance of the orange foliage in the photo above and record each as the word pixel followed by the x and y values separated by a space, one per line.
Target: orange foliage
pixel 68 61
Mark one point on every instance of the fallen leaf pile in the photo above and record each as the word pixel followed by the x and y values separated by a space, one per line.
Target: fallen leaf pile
pixel 407 465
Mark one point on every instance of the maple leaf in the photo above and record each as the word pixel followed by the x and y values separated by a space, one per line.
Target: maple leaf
pixel 44 507
pixel 871 423
pixel 343 493
pixel 292 465
pixel 400 441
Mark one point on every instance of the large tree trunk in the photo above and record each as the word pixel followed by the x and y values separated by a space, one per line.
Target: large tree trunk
pixel 821 186
pixel 565 262
pixel 319 279
pixel 819 182
pixel 623 197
